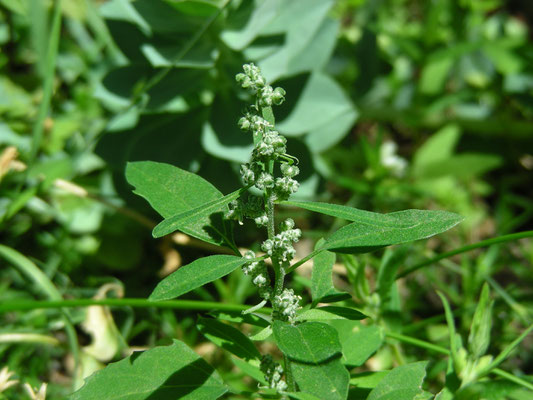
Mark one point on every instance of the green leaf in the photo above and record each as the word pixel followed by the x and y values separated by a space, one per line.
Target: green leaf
pixel 321 102
pixel 326 381
pixel 263 334
pixel 239 34
pixel 322 289
pixel 368 380
pixel 311 342
pixel 435 73
pixel 221 136
pixel 166 372
pixel 172 192
pixel 196 274
pixel 372 230
pixel 299 22
pixel 229 338
pixel 391 261
pixel 249 369
pixel 302 396
pixel 479 338
pixel 331 312
pixel 194 220
pixel 403 382
pixel 169 190
pixel 358 341
pixel 240 318
pixel 438 147
pixel 462 166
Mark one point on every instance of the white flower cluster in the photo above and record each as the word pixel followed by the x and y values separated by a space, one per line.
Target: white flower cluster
pixel 269 144
pixel 259 274
pixel 285 305
pixel 273 372
pixel 281 247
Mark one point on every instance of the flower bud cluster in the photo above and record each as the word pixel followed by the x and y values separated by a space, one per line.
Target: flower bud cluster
pixel 250 207
pixel 273 372
pixel 269 144
pixel 285 305
pixel 252 122
pixel 253 80
pixel 281 247
pixel 259 274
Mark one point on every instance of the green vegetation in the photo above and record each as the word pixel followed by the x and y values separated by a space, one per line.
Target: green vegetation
pixel 176 225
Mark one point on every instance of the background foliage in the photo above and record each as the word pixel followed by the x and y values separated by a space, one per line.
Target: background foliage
pixel 391 104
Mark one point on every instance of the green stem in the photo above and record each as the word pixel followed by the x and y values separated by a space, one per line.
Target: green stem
pixel 51 56
pixel 303 260
pixel 464 249
pixel 24 305
pixel 33 273
pixel 442 350
pixel 289 378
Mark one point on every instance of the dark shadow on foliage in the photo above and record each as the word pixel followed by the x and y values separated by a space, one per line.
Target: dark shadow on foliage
pixel 184 381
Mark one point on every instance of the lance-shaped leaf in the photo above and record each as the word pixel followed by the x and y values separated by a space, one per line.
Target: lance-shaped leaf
pixel 173 191
pixel 196 274
pixel 330 312
pixel 322 289
pixel 310 342
pixel 229 338
pixel 371 231
pixel 194 220
pixel 166 372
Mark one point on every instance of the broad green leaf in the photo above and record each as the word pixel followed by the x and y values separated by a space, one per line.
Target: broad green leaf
pixel 316 54
pixel 331 312
pixel 322 101
pixel 326 381
pixel 332 132
pixel 311 342
pixel 221 136
pixel 196 274
pixel 372 230
pixel 300 23
pixel 322 289
pixel 194 220
pixel 228 338
pixel 172 191
pixel 403 382
pixel 239 33
pixel 169 190
pixel 166 372
pixel 358 341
